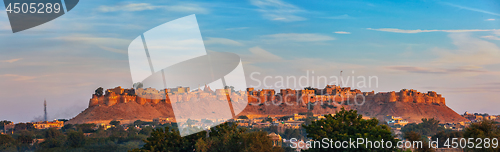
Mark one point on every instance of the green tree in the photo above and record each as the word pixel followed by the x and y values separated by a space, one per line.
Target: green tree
pixel 442 136
pixel 7 143
pixel 427 127
pixel 52 133
pixel 169 140
pixel 482 130
pixel 115 123
pixel 6 140
pixel 25 138
pixel 228 137
pixel 86 128
pixel 75 139
pixel 146 130
pixel 416 139
pixel 3 123
pixel 137 85
pixel 242 117
pixel 347 125
pixel 99 91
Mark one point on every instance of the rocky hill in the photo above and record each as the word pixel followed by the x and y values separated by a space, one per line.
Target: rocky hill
pixel 128 105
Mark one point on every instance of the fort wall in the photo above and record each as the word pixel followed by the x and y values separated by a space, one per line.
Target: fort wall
pixel 328 94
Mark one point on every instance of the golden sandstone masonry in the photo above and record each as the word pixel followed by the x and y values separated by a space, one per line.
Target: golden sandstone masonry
pixel 329 93
pixel 125 104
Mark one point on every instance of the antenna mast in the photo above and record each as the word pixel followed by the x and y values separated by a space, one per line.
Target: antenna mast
pixel 45 109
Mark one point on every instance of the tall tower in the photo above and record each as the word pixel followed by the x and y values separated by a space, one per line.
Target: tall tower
pixel 45 109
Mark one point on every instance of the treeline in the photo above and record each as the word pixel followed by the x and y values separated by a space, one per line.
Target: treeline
pixel 82 137
pixel 486 129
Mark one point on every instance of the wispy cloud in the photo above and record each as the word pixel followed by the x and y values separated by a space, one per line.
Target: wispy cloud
pixel 113 50
pixel 472 9
pixel 16 77
pixel 345 16
pixel 299 37
pixel 11 60
pixel 92 39
pixel 223 41
pixel 491 37
pixel 469 51
pixel 395 30
pixel 237 28
pixel 491 19
pixel 426 70
pixel 263 54
pixel 132 7
pixel 278 10
pixel 342 32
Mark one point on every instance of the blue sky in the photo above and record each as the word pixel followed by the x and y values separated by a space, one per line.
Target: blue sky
pixel 451 47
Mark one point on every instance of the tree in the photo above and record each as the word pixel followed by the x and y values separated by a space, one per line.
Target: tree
pixel 115 123
pixel 415 138
pixel 347 125
pixel 169 140
pixel 224 137
pixel 53 138
pixel 228 137
pixel 6 140
pixel 75 139
pixel 482 130
pixel 428 127
pixel 24 126
pixel 99 91
pixel 25 138
pixel 442 136
pixel 242 117
pixel 3 123
pixel 86 128
pixel 137 85
pixel 52 133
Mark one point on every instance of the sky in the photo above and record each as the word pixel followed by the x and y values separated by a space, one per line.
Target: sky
pixel 451 47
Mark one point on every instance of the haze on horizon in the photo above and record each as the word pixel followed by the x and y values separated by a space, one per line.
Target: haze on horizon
pixel 451 47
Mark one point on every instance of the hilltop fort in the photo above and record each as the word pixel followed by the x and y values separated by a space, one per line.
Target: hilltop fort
pixel 148 103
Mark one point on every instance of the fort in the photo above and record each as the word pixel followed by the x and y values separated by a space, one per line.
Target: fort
pixel 308 95
pixel 152 96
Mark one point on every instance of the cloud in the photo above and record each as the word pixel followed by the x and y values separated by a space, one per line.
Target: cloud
pixel 16 77
pixel 299 37
pixel 113 50
pixel 223 41
pixel 491 19
pixel 278 10
pixel 472 9
pixel 342 32
pixel 263 54
pixel 413 69
pixel 395 30
pixel 90 39
pixel 237 28
pixel 491 37
pixel 345 16
pixel 133 7
pixel 11 60
pixel 469 51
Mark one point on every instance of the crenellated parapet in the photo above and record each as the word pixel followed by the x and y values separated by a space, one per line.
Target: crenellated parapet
pixel 152 96
pixel 329 93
